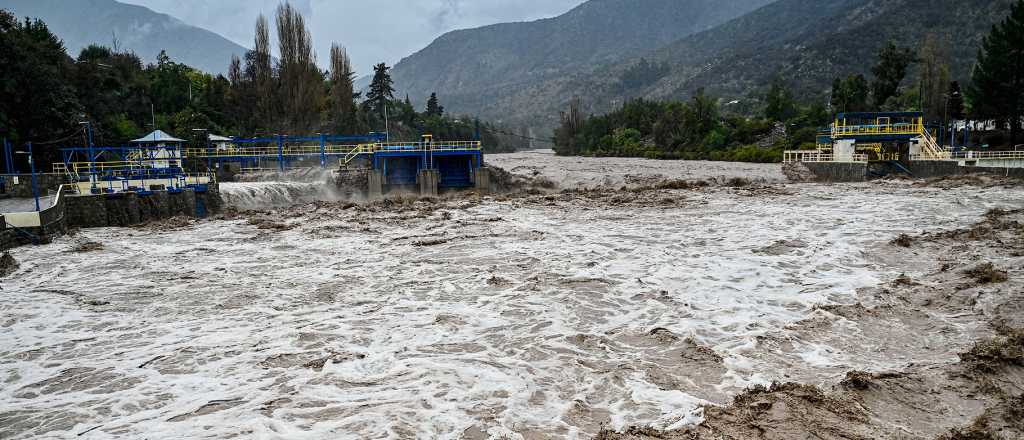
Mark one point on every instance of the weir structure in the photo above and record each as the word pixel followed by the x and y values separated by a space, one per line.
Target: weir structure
pixel 898 142
pixel 427 163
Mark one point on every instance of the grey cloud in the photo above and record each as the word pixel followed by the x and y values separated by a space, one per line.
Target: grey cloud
pixel 371 30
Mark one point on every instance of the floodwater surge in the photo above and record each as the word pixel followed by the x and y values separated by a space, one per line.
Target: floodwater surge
pixel 529 316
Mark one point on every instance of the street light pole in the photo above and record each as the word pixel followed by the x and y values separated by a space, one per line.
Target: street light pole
pixel 387 127
pixel 92 154
pixel 32 168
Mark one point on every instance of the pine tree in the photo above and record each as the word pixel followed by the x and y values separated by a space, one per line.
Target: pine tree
pixel 381 91
pixel 956 101
pixel 850 94
pixel 780 104
pixel 889 72
pixel 433 108
pixel 997 91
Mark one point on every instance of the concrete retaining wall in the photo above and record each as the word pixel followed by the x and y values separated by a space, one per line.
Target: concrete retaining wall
pixel 45 182
pixel 126 209
pixel 922 169
pixel 119 209
pixel 925 169
pixel 838 171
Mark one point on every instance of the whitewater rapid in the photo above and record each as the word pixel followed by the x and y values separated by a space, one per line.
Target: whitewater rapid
pixel 528 319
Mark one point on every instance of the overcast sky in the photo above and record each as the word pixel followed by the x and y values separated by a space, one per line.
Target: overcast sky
pixel 371 30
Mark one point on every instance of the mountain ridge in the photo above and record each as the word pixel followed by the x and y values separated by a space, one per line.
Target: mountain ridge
pixel 136 28
pixel 467 67
pixel 806 44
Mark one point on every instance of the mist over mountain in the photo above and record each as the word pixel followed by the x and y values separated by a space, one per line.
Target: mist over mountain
pixel 135 28
pixel 475 69
pixel 523 74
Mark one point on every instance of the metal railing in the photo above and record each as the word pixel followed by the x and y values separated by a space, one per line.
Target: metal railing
pixel 975 155
pixel 267 151
pixel 840 130
pixel 428 146
pixel 818 156
pixel 76 169
pixel 348 151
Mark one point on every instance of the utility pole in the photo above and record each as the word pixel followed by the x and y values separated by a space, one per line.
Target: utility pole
pixel 387 127
pixel 92 153
pixel 32 168
pixel 945 117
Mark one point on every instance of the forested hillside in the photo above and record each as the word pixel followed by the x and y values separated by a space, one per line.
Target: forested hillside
pixel 477 70
pixel 81 23
pixel 807 43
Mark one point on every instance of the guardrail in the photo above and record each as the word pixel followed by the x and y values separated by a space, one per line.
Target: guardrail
pixel 334 149
pixel 973 155
pixel 884 129
pixel 271 150
pixel 818 156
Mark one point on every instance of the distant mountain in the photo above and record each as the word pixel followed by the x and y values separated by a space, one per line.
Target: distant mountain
pixel 809 43
pixel 136 28
pixel 806 43
pixel 475 70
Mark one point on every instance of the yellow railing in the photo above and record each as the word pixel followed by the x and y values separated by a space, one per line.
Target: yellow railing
pixel 348 151
pixel 975 155
pixel 817 156
pixel 262 151
pixel 840 129
pixel 429 146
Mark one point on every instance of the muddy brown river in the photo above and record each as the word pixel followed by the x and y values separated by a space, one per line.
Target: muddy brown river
pixel 499 317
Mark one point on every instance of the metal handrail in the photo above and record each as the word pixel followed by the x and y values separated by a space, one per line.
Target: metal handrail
pixel 900 128
pixel 791 156
pixel 335 149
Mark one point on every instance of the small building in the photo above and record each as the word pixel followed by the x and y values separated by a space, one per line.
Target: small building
pixel 221 143
pixel 160 150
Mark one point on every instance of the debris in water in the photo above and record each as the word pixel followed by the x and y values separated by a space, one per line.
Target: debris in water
pixel 903 240
pixel 8 265
pixel 87 246
pixel 986 273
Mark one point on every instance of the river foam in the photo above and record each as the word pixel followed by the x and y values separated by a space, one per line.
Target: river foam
pixel 540 319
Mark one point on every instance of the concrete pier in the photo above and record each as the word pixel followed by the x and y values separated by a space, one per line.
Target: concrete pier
pixel 482 180
pixel 374 184
pixel 427 179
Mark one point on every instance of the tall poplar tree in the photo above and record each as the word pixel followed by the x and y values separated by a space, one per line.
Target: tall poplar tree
pixel 342 106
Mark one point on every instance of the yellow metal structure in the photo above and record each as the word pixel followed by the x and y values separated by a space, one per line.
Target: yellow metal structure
pixel 882 126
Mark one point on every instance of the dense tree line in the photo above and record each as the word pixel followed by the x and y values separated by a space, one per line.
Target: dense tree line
pixel 997 89
pixel 694 130
pixel 47 94
pixel 701 129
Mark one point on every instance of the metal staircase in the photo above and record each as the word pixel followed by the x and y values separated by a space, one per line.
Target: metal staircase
pixel 931 149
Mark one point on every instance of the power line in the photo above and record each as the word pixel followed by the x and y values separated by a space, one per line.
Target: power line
pixel 57 141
